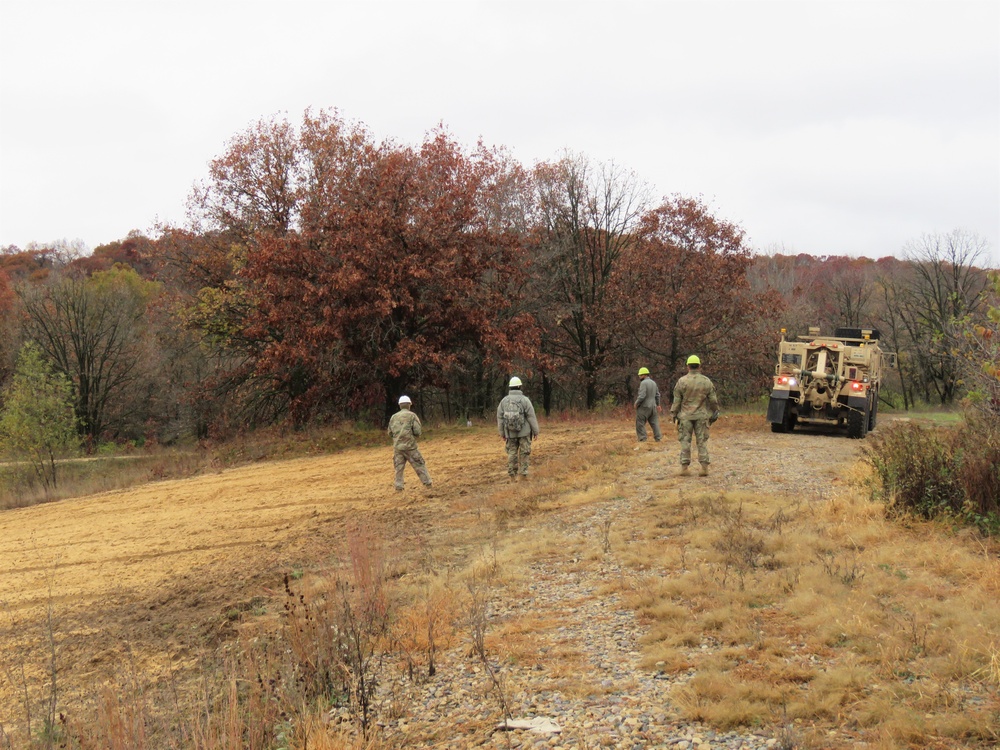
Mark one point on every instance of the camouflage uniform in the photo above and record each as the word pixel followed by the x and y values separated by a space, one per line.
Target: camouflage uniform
pixel 519 444
pixel 646 403
pixel 694 402
pixel 404 427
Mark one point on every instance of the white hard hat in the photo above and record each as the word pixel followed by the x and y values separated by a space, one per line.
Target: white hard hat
pixel 404 400
pixel 515 382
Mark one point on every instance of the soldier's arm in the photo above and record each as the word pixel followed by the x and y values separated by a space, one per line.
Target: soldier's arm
pixel 416 426
pixel 532 420
pixel 713 399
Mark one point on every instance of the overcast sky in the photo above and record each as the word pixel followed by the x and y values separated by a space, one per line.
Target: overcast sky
pixel 849 127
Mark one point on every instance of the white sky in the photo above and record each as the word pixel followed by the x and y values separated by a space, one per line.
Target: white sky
pixel 849 127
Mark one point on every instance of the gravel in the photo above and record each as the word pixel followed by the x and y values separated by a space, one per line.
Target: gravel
pixel 629 706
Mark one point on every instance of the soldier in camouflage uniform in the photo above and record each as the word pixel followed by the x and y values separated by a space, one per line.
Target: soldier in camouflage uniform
pixel 694 408
pixel 517 425
pixel 647 404
pixel 404 427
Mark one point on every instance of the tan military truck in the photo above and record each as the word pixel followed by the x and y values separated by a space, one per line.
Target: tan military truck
pixel 829 380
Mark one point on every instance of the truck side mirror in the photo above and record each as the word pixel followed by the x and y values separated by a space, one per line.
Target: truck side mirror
pixel 890 359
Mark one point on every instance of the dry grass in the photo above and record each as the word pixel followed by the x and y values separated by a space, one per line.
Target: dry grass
pixel 823 620
pixel 821 615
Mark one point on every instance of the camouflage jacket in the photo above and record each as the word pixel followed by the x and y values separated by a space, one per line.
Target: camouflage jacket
pixel 517 398
pixel 649 394
pixel 404 427
pixel 694 397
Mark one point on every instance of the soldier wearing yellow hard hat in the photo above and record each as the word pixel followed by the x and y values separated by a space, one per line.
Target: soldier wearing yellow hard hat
pixel 694 408
pixel 647 406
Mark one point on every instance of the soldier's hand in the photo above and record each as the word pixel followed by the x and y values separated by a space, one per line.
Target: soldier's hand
pixel 715 416
pixel 677 420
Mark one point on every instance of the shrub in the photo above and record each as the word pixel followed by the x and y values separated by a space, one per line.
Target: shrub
pixel 934 471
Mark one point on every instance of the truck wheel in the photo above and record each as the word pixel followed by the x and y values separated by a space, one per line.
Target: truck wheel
pixel 787 423
pixel 857 423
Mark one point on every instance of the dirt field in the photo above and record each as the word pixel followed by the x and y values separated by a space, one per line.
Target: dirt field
pixel 152 574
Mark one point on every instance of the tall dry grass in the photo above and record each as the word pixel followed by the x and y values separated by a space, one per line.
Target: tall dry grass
pixel 819 616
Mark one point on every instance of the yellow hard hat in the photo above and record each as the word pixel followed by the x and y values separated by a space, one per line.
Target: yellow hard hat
pixel 515 382
pixel 693 360
pixel 644 371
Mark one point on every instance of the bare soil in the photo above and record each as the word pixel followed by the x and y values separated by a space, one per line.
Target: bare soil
pixel 156 573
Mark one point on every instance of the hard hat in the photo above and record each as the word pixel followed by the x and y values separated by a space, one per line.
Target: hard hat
pixel 644 371
pixel 515 382
pixel 693 360
pixel 404 400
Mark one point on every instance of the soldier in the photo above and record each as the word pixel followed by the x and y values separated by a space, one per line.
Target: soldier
pixel 517 425
pixel 404 427
pixel 694 408
pixel 647 406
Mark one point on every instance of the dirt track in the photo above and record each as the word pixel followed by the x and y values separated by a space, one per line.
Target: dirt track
pixel 161 565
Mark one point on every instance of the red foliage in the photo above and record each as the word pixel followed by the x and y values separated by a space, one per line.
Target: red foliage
pixel 6 293
pixel 395 276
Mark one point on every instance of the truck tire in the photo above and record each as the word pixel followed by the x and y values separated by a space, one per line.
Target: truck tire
pixel 787 423
pixel 857 423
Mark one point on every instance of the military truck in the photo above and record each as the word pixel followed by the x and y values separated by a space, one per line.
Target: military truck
pixel 829 380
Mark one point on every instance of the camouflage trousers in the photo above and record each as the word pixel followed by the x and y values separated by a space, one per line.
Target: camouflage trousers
pixel 645 414
pixel 399 461
pixel 518 453
pixel 700 429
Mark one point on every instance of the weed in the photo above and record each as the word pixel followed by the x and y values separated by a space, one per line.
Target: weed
pixel 605 535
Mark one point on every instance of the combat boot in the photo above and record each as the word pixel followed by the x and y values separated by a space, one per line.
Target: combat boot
pixel 684 470
pixel 704 471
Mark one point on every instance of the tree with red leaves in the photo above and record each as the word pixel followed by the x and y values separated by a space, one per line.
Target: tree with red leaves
pixel 399 265
pixel 687 286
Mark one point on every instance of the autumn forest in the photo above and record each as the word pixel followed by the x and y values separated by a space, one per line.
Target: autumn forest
pixel 323 273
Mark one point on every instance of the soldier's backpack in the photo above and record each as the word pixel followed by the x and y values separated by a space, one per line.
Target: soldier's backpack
pixel 513 417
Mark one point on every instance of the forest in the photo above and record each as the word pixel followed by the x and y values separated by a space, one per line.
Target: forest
pixel 323 273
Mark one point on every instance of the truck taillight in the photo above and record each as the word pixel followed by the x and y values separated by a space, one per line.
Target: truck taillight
pixel 786 380
pixel 856 386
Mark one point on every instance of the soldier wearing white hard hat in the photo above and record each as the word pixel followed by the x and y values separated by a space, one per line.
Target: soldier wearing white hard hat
pixel 518 426
pixel 404 428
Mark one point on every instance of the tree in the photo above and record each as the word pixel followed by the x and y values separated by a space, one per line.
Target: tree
pixel 980 352
pixel 395 274
pixel 7 336
pixel 945 287
pixel 688 277
pixel 587 217
pixel 91 331
pixel 254 186
pixel 38 424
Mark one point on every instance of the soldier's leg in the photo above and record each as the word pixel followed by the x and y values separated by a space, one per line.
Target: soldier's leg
pixel 399 463
pixel 525 449
pixel 684 429
pixel 419 466
pixel 654 422
pixel 701 435
pixel 640 424
pixel 511 457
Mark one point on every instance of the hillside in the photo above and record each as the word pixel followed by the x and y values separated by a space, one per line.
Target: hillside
pixel 146 585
